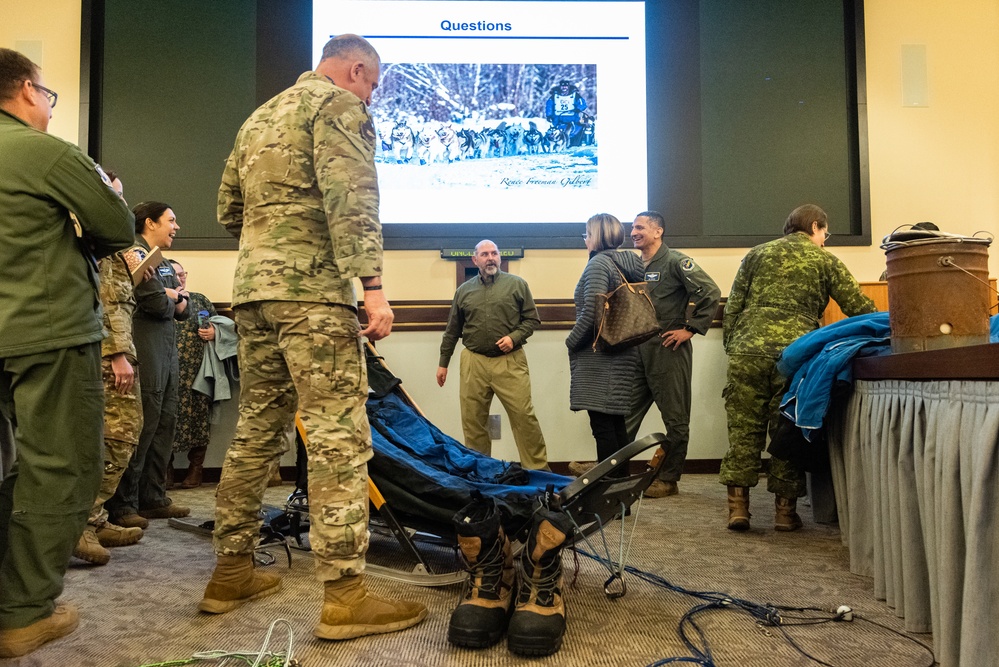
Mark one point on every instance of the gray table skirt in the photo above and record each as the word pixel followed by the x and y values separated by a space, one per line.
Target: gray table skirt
pixel 915 466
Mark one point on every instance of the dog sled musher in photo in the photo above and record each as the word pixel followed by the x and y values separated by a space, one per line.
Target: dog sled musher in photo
pixel 563 109
pixel 420 479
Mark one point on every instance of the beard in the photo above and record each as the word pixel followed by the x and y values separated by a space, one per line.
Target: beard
pixel 490 269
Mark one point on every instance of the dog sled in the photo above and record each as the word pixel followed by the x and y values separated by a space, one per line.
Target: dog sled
pixel 419 478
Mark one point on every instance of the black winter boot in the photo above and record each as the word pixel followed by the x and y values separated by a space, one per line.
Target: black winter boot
pixel 538 622
pixel 481 617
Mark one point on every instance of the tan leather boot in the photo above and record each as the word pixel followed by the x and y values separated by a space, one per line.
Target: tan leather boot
pixel 235 582
pixel 350 611
pixel 20 641
pixel 110 535
pixel 786 517
pixel 195 468
pixel 738 508
pixel 89 548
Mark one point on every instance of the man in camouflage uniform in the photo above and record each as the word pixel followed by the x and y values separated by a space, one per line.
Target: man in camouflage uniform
pixel 301 193
pixel 779 294
pixel 122 406
pixel 667 360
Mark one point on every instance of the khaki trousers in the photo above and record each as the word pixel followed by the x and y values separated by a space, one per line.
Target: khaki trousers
pixel 508 378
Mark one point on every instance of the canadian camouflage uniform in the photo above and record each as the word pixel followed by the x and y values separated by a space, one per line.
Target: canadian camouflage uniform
pixel 301 193
pixel 674 281
pixel 122 412
pixel 779 294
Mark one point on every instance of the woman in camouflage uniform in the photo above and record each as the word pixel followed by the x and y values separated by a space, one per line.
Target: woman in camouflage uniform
pixel 193 407
pixel 779 294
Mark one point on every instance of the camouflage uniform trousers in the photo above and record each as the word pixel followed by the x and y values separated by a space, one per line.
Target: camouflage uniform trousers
pixel 304 356
pixel 752 398
pixel 122 425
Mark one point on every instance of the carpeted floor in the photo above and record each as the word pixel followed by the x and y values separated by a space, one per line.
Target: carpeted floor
pixel 141 608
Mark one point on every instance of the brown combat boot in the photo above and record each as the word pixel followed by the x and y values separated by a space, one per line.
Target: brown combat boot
pixel 195 468
pixel 580 468
pixel 131 520
pixel 786 518
pixel 538 622
pixel 89 548
pixel 738 508
pixel 168 511
pixel 481 617
pixel 110 535
pixel 350 611
pixel 661 488
pixel 21 641
pixel 235 582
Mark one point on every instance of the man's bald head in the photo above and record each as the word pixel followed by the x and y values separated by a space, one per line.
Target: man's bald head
pixel 352 64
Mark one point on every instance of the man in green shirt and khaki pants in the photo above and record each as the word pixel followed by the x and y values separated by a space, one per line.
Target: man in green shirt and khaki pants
pixel 494 314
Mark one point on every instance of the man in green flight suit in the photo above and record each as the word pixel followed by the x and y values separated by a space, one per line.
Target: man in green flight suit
pixel 675 281
pixel 300 193
pixel 57 213
pixel 779 294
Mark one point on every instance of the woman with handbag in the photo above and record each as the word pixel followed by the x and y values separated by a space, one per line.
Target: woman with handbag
pixel 602 382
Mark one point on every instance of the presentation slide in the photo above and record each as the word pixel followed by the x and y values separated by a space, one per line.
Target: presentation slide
pixel 503 112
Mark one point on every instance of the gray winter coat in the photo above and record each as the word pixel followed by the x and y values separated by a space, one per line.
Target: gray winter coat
pixel 600 381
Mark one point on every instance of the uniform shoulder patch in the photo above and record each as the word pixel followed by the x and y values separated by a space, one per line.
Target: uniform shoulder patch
pixel 687 264
pixel 103 175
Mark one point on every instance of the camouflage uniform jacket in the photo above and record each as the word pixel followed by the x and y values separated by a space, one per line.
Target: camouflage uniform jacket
pixel 119 306
pixel 674 282
pixel 301 193
pixel 780 292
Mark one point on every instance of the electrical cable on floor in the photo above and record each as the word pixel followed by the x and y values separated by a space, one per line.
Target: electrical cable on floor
pixel 766 616
pixel 261 658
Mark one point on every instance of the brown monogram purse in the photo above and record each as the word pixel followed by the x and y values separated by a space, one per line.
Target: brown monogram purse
pixel 626 317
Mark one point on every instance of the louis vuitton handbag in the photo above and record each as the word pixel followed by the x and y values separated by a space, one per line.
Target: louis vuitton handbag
pixel 625 317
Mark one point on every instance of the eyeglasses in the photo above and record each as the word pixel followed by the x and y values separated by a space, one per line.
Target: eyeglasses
pixel 586 236
pixel 49 93
pixel 827 235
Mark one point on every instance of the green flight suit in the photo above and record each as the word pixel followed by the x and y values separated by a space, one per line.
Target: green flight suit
pixel 675 281
pixel 50 356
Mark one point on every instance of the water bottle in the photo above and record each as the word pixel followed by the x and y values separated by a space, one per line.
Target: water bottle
pixel 203 319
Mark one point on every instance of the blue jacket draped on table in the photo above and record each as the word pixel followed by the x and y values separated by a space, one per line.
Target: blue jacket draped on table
pixel 820 359
pixel 601 381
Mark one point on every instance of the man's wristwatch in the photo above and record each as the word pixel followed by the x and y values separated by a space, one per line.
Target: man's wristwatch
pixel 180 298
